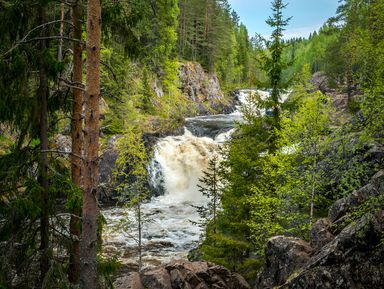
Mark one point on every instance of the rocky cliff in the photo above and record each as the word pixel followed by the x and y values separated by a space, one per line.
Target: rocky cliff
pixel 203 89
pixel 346 249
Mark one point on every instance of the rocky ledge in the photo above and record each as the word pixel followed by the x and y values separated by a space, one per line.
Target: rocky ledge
pixel 346 251
pixel 183 275
pixel 204 90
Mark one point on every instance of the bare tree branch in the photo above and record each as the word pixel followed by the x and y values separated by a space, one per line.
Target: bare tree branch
pixel 24 39
pixel 62 152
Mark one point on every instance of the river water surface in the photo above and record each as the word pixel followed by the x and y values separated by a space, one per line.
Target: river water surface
pixel 175 169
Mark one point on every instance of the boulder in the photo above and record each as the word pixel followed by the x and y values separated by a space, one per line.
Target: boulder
pixel 350 257
pixel 158 278
pixel 107 165
pixel 284 255
pixel 180 274
pixel 320 234
pixel 132 281
pixel 354 259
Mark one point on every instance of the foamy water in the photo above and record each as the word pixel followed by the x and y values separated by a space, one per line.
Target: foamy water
pixel 177 165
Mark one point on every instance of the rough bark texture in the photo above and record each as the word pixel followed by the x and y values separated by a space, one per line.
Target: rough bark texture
pixel 43 166
pixel 77 143
pixel 88 276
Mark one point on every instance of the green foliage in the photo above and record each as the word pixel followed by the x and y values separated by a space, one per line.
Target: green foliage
pixel 210 186
pixel 209 33
pixel 107 268
pixel 320 52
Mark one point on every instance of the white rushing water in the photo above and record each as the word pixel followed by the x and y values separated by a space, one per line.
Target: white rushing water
pixel 176 167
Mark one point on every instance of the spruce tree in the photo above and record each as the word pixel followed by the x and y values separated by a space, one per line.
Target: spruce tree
pixel 274 66
pixel 210 186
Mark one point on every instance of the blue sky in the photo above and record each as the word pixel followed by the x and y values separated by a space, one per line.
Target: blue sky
pixel 308 15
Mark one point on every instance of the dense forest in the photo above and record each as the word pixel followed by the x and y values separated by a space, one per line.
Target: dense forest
pixel 93 71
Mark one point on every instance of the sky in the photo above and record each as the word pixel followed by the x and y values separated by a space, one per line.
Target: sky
pixel 307 15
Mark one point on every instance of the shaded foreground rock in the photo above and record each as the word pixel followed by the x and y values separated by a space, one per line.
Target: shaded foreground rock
pixel 183 275
pixel 284 256
pixel 352 258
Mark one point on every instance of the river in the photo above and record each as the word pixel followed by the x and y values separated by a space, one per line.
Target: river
pixel 176 167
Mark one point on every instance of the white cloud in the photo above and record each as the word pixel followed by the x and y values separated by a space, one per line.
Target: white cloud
pixel 301 31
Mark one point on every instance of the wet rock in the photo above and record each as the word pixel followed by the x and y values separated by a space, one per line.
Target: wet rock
pixel 320 234
pixel 284 255
pixel 108 160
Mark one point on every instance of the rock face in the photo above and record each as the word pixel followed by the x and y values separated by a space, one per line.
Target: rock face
pixel 203 89
pixel 320 233
pixel 284 256
pixel 320 81
pixel 184 275
pixel 343 253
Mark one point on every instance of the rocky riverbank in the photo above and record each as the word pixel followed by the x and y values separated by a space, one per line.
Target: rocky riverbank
pixel 346 250
pixel 183 274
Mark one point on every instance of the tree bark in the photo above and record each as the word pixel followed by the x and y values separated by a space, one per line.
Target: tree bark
pixel 61 41
pixel 88 276
pixel 42 96
pixel 77 144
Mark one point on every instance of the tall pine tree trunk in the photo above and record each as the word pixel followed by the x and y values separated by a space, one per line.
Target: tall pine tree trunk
pixel 77 143
pixel 43 166
pixel 88 276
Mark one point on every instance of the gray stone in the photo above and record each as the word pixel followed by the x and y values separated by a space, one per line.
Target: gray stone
pixel 320 81
pixel 320 234
pixel 182 274
pixel 284 256
pixel 203 89
pixel 351 258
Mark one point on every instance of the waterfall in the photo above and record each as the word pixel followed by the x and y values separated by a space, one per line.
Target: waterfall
pixel 177 165
pixel 181 160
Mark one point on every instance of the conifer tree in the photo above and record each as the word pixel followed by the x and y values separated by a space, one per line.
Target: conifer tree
pixel 274 66
pixel 210 186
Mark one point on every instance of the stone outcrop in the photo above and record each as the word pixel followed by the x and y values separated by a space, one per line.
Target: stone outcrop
pixel 284 256
pixel 183 275
pixel 345 251
pixel 320 81
pixel 203 89
pixel 320 233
